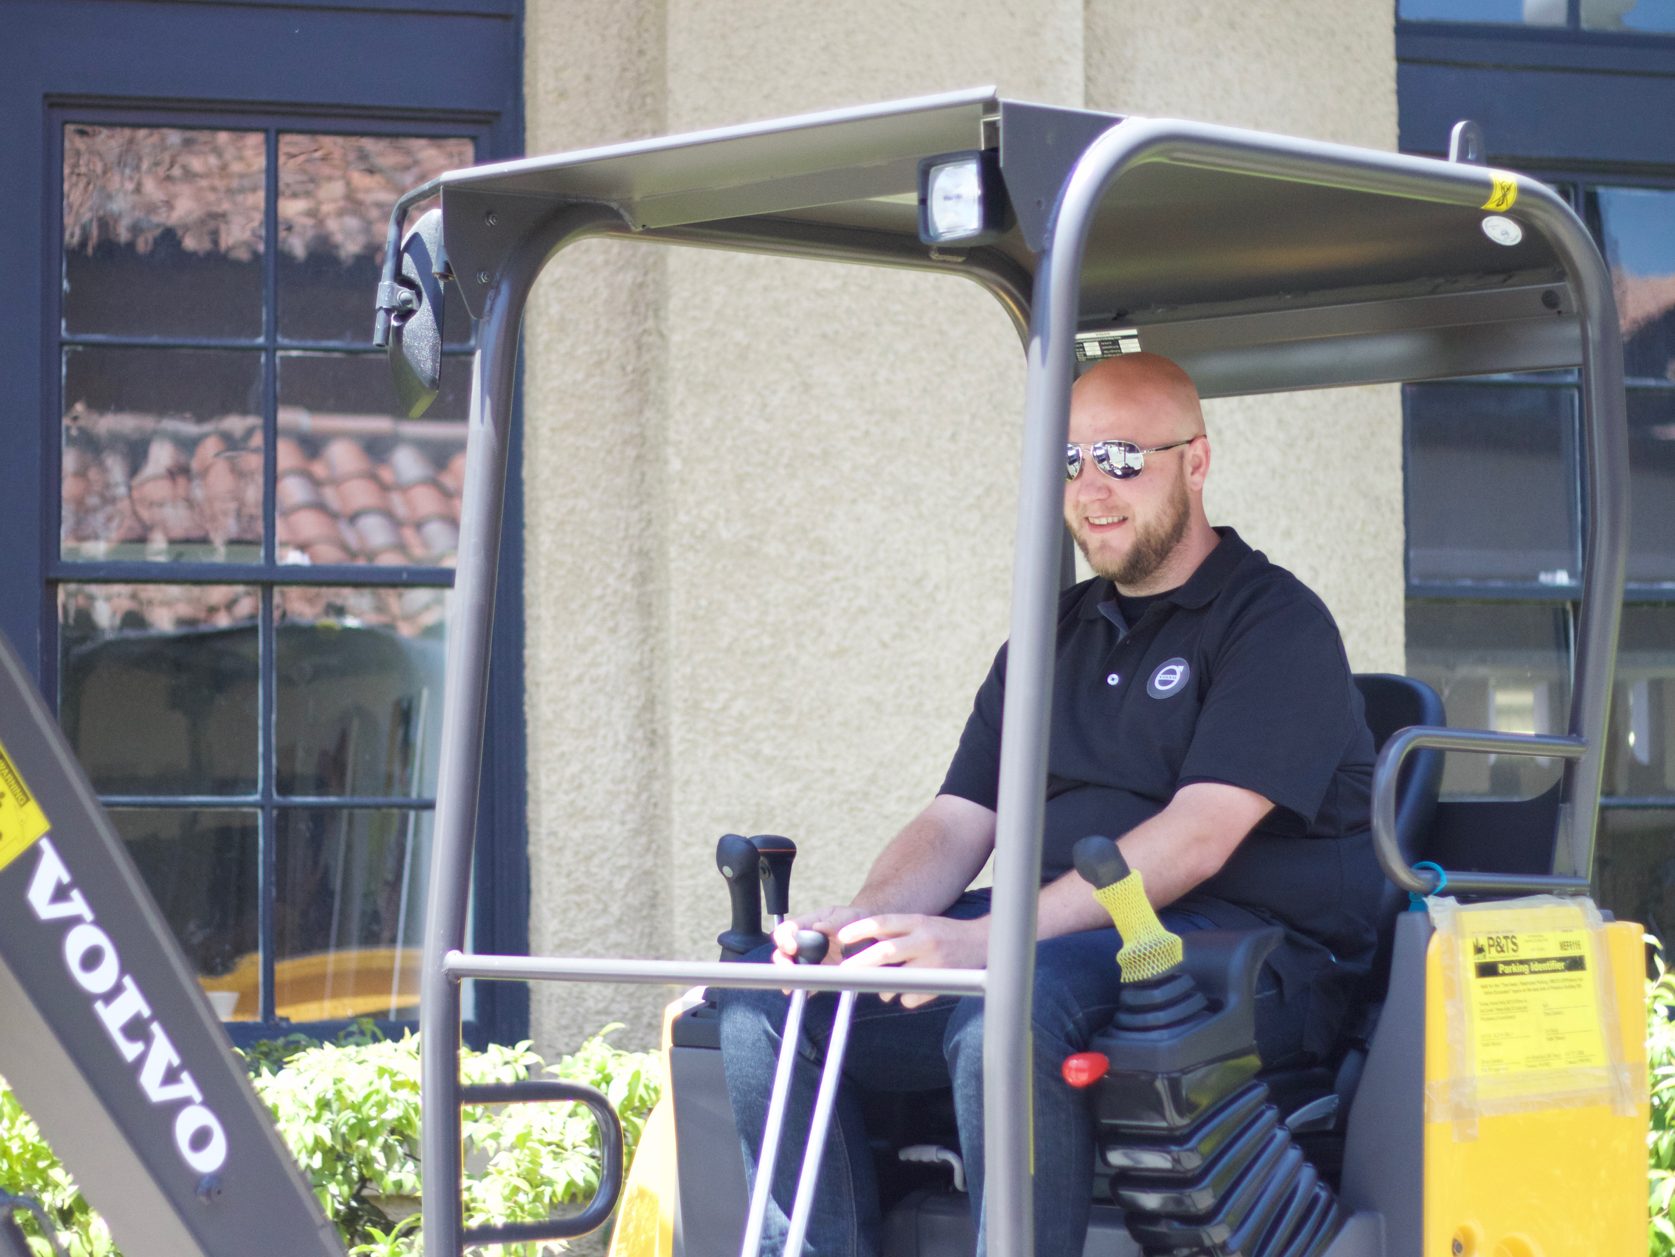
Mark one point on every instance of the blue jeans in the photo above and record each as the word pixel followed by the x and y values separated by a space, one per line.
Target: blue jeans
pixel 938 1045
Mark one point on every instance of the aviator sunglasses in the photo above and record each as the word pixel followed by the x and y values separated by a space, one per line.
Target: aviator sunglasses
pixel 1121 460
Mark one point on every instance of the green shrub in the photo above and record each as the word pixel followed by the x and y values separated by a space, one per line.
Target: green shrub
pixel 349 1112
pixel 28 1169
pixel 1660 1139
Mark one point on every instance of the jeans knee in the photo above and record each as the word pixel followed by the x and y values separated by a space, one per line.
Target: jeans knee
pixel 962 1040
pixel 1054 1023
pixel 750 1021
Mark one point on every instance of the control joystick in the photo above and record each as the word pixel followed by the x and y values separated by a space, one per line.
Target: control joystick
pixel 1201 1161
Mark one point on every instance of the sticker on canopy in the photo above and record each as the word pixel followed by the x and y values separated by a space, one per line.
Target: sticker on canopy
pixel 1502 230
pixel 1169 679
pixel 21 820
pixel 1505 193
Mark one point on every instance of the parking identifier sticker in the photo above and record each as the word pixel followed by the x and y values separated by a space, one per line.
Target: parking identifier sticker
pixel 1534 1001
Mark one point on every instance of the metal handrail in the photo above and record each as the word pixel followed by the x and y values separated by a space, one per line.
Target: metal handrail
pixel 465 708
pixel 598 1210
pixel 1387 769
pixel 458 965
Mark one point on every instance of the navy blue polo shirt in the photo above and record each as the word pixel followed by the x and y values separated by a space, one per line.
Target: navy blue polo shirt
pixel 1238 676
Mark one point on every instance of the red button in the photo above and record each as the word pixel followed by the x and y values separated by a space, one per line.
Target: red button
pixel 1084 1068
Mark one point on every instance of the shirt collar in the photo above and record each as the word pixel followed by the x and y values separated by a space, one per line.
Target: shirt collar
pixel 1203 585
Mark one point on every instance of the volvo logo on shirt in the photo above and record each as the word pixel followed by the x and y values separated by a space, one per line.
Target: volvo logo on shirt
pixel 1170 676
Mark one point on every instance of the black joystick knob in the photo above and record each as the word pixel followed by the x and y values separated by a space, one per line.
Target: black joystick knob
pixel 737 859
pixel 776 853
pixel 811 947
pixel 1099 861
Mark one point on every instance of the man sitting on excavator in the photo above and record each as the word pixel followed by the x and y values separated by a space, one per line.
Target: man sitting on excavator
pixel 1205 716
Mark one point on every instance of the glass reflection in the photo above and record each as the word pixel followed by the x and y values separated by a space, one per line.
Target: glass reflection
pixel 1637 228
pixel 157 690
pixel 1640 750
pixel 1634 867
pixel 356 484
pixel 201 867
pixel 1503 666
pixel 1628 15
pixel 1651 420
pixel 359 703
pixel 349 910
pixel 335 196
pixel 163 231
pixel 1491 494
pixel 162 455
pixel 1498 12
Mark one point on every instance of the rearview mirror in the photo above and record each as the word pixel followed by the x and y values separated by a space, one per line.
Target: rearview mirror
pixel 416 326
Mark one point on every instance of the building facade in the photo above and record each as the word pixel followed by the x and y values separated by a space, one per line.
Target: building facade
pixel 761 555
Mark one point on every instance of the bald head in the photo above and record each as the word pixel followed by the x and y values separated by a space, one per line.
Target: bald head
pixel 1149 390
pixel 1145 531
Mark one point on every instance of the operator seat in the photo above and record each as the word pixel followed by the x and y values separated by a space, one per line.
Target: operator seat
pixel 1315 1099
pixel 1394 703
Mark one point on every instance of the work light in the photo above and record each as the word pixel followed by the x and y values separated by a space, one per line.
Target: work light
pixel 961 199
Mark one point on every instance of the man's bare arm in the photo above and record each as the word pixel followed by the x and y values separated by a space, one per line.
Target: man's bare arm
pixel 922 871
pixel 1175 850
pixel 1184 844
pixel 927 866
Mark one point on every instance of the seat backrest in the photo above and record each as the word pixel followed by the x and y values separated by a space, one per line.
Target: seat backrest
pixel 1396 702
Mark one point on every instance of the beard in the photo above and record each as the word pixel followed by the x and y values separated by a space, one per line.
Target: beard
pixel 1152 545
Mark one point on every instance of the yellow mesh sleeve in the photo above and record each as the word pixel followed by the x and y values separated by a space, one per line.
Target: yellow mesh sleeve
pixel 1148 950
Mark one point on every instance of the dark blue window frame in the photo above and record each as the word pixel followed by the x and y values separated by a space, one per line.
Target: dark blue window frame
pixel 1541 94
pixel 1577 109
pixel 395 66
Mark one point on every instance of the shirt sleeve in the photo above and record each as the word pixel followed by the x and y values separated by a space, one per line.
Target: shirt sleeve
pixel 974 773
pixel 1279 712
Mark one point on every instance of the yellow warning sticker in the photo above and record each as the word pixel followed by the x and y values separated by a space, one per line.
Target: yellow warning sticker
pixel 21 820
pixel 1533 997
pixel 1505 193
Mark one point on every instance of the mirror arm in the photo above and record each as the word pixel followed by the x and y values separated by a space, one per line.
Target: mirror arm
pixel 391 295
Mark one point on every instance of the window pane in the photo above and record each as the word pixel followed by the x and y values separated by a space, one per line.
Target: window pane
pixel 1651 427
pixel 1490 489
pixel 157 686
pixel 335 197
pixel 202 868
pixel 1634 868
pixel 360 690
pixel 1496 666
pixel 1628 15
pixel 1637 228
pixel 163 231
pixel 1513 12
pixel 1640 754
pixel 162 454
pixel 350 904
pixel 357 484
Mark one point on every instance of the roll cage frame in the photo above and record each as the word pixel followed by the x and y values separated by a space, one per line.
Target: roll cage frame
pixel 1261 263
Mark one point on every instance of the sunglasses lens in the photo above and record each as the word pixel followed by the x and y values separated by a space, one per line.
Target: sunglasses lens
pixel 1072 461
pixel 1121 460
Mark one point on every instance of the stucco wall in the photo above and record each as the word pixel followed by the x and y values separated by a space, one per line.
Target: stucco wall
pixel 771 503
pixel 594 390
pixel 1315 479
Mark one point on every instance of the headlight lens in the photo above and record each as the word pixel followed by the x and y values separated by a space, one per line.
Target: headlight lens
pixel 954 199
